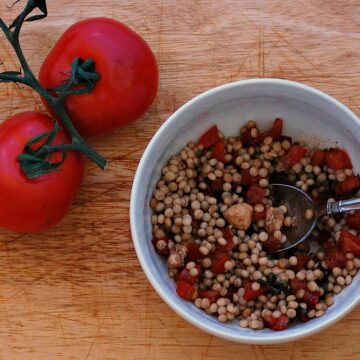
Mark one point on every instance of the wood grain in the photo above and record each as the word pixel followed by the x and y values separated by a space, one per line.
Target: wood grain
pixel 77 291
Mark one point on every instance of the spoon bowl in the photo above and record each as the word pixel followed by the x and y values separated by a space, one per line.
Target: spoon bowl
pixel 298 202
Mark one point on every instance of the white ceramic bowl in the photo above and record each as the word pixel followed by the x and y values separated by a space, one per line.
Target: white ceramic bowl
pixel 308 114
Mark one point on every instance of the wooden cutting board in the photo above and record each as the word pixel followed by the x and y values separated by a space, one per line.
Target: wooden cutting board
pixel 77 291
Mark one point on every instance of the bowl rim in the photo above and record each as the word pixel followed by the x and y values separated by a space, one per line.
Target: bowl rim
pixel 276 337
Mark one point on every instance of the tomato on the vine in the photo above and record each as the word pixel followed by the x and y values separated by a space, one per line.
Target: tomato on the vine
pixel 128 74
pixel 37 204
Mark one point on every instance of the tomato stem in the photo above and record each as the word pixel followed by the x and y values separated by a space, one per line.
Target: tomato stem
pixel 83 73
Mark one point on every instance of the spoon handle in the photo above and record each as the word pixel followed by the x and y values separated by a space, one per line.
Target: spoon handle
pixel 342 206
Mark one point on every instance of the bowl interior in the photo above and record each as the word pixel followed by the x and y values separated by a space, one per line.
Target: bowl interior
pixel 308 115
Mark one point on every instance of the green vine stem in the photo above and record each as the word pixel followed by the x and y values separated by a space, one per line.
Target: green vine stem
pixel 36 163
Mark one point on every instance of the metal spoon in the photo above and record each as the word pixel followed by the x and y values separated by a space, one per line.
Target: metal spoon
pixel 297 202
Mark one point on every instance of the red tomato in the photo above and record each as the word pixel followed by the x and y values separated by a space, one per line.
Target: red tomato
pixel 349 242
pixel 185 290
pixel 128 74
pixel 311 298
pixel 319 157
pixel 272 243
pixel 247 139
pixel 255 194
pixel 219 150
pixel 228 236
pixel 218 262
pixel 294 155
pixel 301 262
pixel 38 204
pixel 334 258
pixel 351 183
pixel 337 159
pixel 259 215
pixel 193 251
pixel 161 246
pixel 185 275
pixel 210 137
pixel 280 323
pixel 247 179
pixel 354 220
pixel 275 132
pixel 212 295
pixel 251 294
pixel 297 284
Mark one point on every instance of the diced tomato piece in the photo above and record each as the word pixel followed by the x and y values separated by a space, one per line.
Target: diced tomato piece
pixel 247 179
pixel 301 262
pixel 351 183
pixel 297 284
pixel 212 295
pixel 210 137
pixel 354 220
pixel 259 215
pixel 193 252
pixel 272 243
pixel 219 259
pixel 319 157
pixel 185 290
pixel 334 258
pixel 255 194
pixel 217 185
pixel 161 246
pixel 185 275
pixel 311 298
pixel 270 321
pixel 275 132
pixel 304 318
pixel 280 323
pixel 349 242
pixel 338 159
pixel 293 156
pixel 228 236
pixel 247 139
pixel 251 294
pixel 219 150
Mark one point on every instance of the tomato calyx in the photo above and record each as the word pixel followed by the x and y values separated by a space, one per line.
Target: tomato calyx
pixel 83 79
pixel 38 162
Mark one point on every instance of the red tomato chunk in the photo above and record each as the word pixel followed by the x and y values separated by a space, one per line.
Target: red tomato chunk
pixel 280 323
pixel 350 184
pixel 251 294
pixel 212 295
pixel 294 155
pixel 218 262
pixel 185 290
pixel 185 275
pixel 219 150
pixel 228 236
pixel 334 258
pixel 255 195
pixel 349 242
pixel 354 220
pixel 210 138
pixel 319 158
pixel 193 251
pixel 338 159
